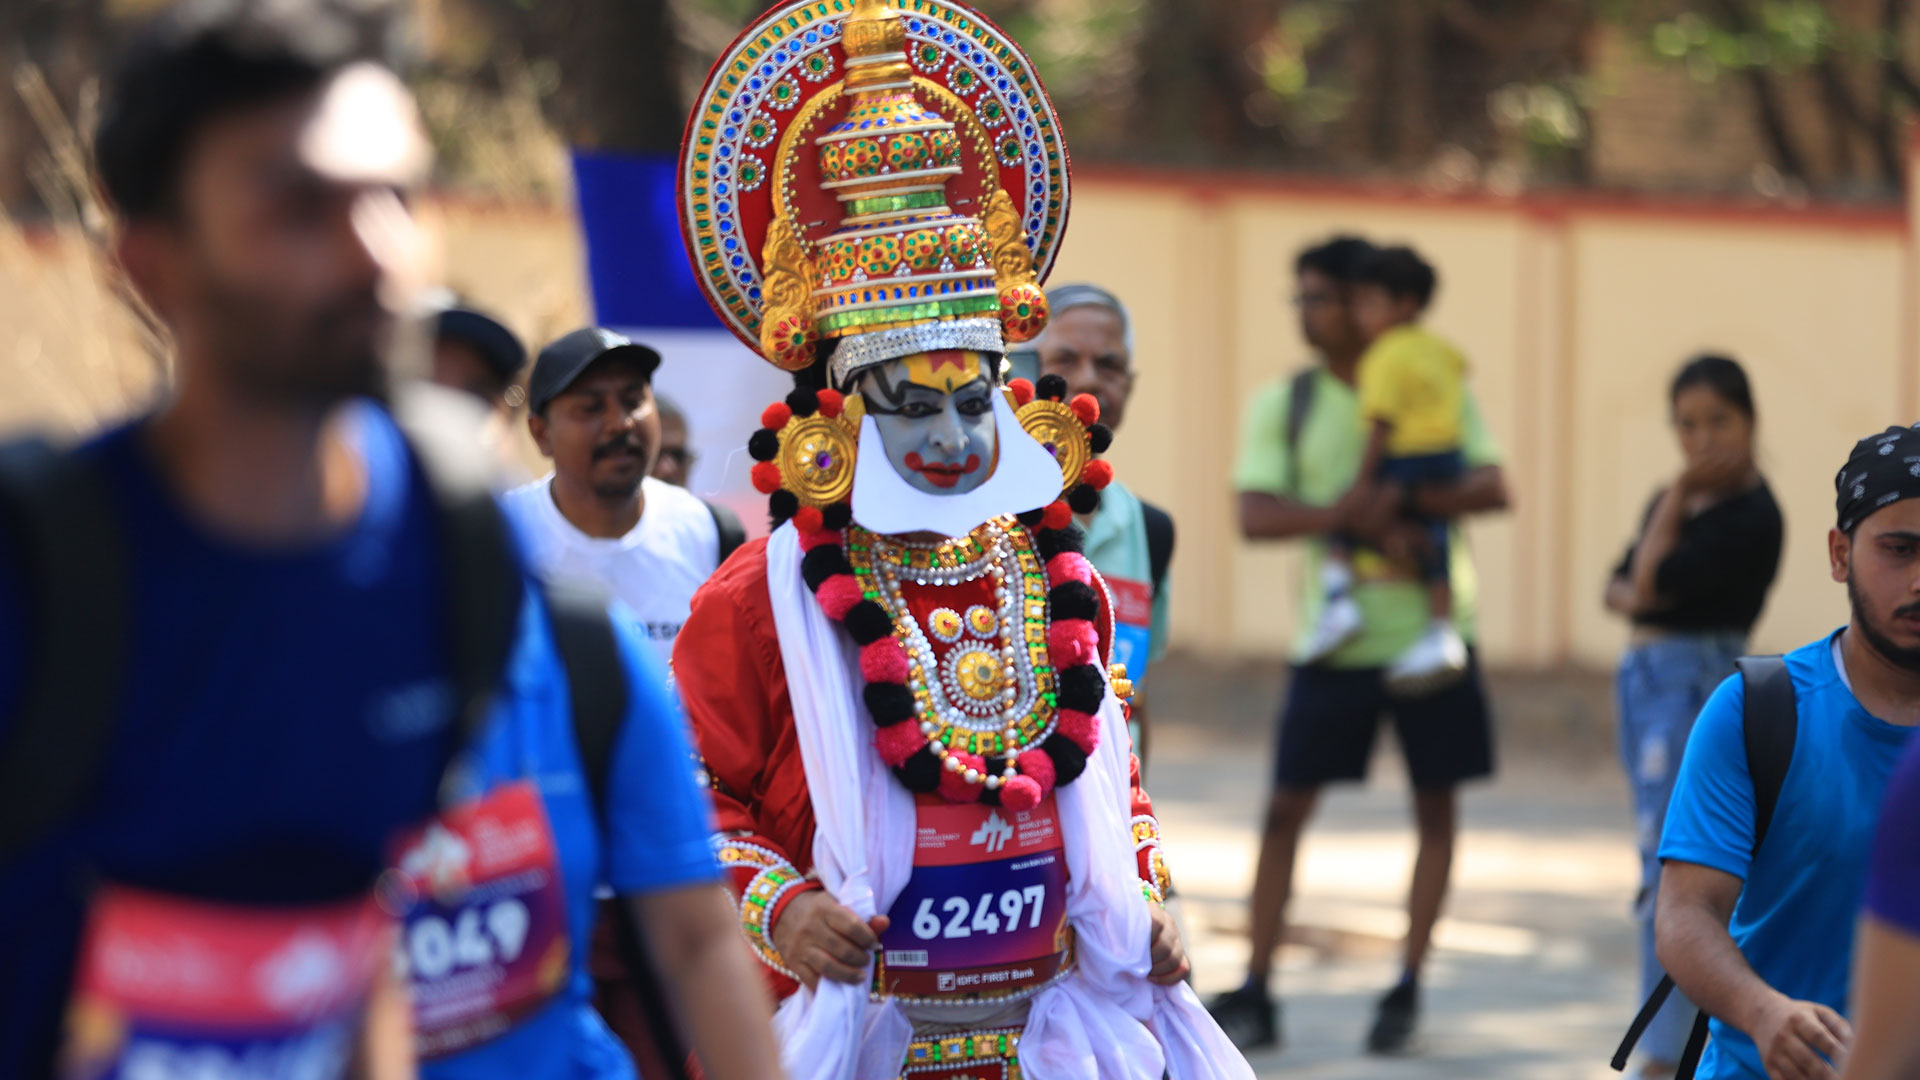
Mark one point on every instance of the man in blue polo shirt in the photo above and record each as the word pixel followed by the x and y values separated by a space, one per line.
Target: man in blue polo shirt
pixel 1762 940
pixel 285 681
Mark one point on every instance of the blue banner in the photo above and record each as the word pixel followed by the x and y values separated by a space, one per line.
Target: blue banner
pixel 636 261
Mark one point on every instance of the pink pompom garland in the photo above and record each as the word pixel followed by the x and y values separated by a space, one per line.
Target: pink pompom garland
pixel 838 594
pixel 1069 566
pixel 885 661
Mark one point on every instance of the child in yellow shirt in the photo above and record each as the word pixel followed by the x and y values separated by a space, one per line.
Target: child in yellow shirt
pixel 1412 388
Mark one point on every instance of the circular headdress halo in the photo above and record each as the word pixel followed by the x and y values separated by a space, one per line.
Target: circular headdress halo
pixel 887 173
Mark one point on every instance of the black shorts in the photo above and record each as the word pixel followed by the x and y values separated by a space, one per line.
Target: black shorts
pixel 1331 715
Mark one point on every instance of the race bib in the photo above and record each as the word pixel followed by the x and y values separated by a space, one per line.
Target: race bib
pixel 484 935
pixel 172 989
pixel 1132 623
pixel 985 913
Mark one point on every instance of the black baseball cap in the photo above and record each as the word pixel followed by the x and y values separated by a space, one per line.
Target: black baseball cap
pixel 497 345
pixel 563 361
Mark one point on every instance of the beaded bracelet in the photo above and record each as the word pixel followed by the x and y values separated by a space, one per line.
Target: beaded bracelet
pixel 758 903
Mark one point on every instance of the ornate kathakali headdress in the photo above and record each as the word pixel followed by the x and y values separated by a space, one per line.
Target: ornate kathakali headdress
pixel 884 177
pixel 865 180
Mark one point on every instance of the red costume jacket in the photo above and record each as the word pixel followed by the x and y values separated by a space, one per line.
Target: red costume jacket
pixel 731 677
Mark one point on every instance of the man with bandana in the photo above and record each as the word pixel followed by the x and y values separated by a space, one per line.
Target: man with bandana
pixel 1760 933
pixel 902 697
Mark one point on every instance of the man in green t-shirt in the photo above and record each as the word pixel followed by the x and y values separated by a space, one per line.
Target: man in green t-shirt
pixel 1300 456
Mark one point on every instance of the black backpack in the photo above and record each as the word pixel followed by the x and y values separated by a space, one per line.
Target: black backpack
pixel 65 532
pixel 1771 721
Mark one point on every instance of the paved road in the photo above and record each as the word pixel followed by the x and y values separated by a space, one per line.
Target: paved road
pixel 1533 974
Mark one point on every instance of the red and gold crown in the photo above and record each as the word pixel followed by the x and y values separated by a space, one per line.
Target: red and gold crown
pixel 887 175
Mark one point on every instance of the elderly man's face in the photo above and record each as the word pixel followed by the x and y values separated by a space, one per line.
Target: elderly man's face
pixel 934 412
pixel 1087 346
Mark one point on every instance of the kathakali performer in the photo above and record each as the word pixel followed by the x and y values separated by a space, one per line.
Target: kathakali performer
pixel 926 796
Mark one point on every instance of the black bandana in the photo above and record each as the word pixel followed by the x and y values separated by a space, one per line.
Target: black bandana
pixel 1882 470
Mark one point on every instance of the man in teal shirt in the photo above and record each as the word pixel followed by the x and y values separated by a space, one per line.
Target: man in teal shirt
pixel 1089 343
pixel 1300 455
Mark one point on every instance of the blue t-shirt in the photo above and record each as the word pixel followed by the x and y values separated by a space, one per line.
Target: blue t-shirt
pixel 286 714
pixel 1795 918
pixel 1893 883
pixel 660 820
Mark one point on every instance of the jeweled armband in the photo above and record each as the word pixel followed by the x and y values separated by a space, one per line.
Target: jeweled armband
pixel 1154 880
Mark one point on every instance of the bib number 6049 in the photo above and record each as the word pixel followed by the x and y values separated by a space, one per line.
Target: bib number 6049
pixel 963 918
pixel 435 947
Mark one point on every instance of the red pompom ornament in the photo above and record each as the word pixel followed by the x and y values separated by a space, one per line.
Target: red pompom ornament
pixel 1086 407
pixel 838 594
pixel 1097 475
pixel 776 416
pixel 884 661
pixel 1037 765
pixel 808 520
pixel 832 403
pixel 821 538
pixel 766 477
pixel 1022 391
pixel 898 742
pixel 1021 794
pixel 1072 643
pixel 1058 515
pixel 1082 728
pixel 955 784
pixel 1070 566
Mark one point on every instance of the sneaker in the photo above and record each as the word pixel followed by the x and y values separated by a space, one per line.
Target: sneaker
pixel 1435 662
pixel 1393 1024
pixel 1340 622
pixel 1249 1017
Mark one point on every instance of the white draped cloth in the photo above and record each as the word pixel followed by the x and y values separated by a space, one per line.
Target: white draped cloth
pixel 1105 1021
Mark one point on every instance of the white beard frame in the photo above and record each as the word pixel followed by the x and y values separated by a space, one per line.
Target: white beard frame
pixel 1024 478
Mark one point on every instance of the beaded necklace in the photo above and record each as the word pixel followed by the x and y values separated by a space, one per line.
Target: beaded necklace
pixel 994 695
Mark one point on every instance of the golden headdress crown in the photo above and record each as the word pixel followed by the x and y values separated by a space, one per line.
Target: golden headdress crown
pixel 913 205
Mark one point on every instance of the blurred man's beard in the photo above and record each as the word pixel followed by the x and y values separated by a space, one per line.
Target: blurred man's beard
pixel 1879 639
pixel 315 358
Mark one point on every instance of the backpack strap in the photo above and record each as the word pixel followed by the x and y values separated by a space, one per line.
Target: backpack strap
pixel 1160 537
pixel 481 577
pixel 733 535
pixel 1771 725
pixel 1300 396
pixel 1772 722
pixel 69 551
pixel 597 684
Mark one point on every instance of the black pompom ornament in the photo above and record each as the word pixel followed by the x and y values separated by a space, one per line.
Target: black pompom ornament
pixel 1050 387
pixel 1101 436
pixel 803 402
pixel 764 445
pixel 921 773
pixel 1085 499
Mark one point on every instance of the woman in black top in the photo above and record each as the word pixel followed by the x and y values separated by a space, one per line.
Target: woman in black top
pixel 1693 584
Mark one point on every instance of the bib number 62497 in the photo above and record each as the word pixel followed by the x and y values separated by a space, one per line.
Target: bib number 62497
pixel 959 917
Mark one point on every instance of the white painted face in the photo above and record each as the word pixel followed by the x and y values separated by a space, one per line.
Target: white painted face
pixel 935 416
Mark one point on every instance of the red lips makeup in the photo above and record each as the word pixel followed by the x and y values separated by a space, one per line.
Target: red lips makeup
pixel 940 475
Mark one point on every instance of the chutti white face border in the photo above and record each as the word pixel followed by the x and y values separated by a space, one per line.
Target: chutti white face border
pixel 1026 477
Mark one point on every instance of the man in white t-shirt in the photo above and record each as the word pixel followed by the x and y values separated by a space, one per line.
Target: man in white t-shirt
pixel 599 519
